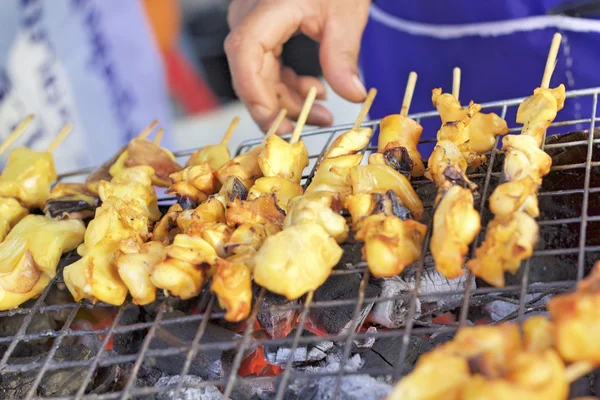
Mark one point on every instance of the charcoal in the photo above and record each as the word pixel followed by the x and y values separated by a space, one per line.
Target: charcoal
pixel 147 376
pixel 500 310
pixel 39 324
pixel 275 317
pixel 129 342
pixel 338 319
pixel 393 313
pixel 385 353
pixel 352 253
pixel 208 364
pixel 189 392
pixel 58 382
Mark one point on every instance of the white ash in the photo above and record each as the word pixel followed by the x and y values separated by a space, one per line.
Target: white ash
pixel 208 392
pixel 364 313
pixel 368 342
pixel 314 353
pixel 393 313
pixel 352 387
pixel 499 310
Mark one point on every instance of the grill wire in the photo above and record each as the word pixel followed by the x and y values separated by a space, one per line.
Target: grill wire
pixel 515 293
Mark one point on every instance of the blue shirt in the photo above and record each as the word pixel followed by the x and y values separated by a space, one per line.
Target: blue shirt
pixel 501 47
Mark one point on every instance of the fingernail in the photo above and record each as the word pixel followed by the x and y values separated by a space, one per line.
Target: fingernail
pixel 260 112
pixel 359 85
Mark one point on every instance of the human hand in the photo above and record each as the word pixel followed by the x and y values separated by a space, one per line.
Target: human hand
pixel 259 28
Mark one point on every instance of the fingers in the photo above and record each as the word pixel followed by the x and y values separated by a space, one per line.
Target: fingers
pixel 238 10
pixel 340 46
pixel 293 93
pixel 253 48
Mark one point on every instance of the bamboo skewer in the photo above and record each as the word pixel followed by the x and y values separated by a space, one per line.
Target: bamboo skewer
pixel 159 136
pixel 578 370
pixel 275 124
pixel 308 103
pixel 234 123
pixel 365 109
pixel 456 82
pixel 147 130
pixel 60 138
pixel 551 61
pixel 408 93
pixel 18 131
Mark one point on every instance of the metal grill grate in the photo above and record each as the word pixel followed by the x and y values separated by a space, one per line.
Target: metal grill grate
pixel 535 278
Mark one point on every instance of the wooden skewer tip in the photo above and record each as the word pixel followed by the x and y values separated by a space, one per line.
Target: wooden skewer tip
pixel 147 130
pixel 60 138
pixel 456 75
pixel 578 369
pixel 276 123
pixel 18 131
pixel 408 93
pixel 365 108
pixel 234 123
pixel 551 60
pixel 308 103
pixel 159 136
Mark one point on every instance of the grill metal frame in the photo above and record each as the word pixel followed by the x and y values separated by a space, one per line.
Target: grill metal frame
pixel 247 342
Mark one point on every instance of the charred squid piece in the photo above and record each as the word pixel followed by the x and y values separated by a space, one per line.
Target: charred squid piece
pixel 447 167
pixel 348 143
pixel 296 260
pixel 456 223
pixel 232 189
pixel 363 205
pixel 390 243
pixel 215 155
pixel 244 167
pixel 28 176
pixel 30 254
pixel 576 320
pixel 71 201
pixel 102 172
pixel 129 207
pixel 246 236
pixel 398 140
pixel 279 158
pixel 261 211
pixel 135 264
pixel 487 362
pixel 167 228
pixel 283 189
pixel 187 267
pixel 322 207
pixel 232 284
pixel 141 151
pixel 11 212
pixel 399 159
pixel 382 178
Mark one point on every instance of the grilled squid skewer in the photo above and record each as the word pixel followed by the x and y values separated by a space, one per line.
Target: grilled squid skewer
pixel 300 258
pixel 513 233
pixel 384 206
pixel 456 223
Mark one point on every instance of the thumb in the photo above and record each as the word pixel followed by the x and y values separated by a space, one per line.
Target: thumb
pixel 340 45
